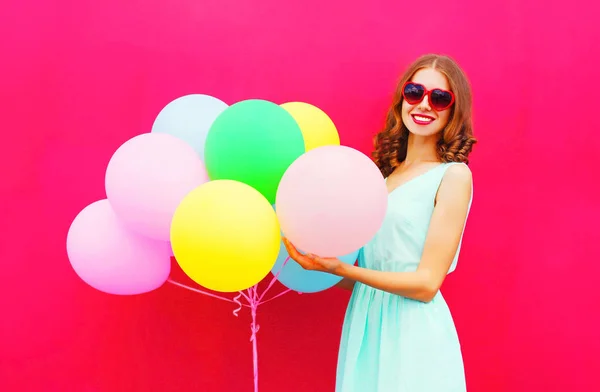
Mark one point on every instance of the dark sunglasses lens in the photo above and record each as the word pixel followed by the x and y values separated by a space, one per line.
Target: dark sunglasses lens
pixel 413 93
pixel 440 99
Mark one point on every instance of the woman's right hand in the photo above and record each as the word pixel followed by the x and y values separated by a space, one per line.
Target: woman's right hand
pixel 312 262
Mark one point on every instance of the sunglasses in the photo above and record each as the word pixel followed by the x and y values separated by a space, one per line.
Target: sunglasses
pixel 439 99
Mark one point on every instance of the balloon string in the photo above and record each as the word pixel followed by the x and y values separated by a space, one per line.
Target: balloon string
pixel 253 300
pixel 277 296
pixel 253 295
pixel 207 293
pixel 273 280
pixel 254 327
pixel 236 299
pixel 246 297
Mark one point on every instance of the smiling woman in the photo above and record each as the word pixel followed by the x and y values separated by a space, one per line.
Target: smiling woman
pixel 398 333
pixel 433 95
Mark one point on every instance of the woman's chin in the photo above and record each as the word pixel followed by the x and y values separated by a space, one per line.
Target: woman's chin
pixel 423 131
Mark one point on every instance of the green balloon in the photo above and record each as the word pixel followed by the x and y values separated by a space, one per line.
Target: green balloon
pixel 253 142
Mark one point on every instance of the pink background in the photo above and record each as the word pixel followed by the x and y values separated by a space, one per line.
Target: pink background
pixel 78 78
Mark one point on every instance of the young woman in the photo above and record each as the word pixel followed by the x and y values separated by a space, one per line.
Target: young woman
pixel 398 333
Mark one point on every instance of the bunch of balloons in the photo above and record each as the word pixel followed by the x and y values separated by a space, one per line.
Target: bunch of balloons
pixel 217 186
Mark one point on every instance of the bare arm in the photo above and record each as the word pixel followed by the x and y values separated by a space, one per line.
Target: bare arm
pixel 445 230
pixel 443 237
pixel 346 284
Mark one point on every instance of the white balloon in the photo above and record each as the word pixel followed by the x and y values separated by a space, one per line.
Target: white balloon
pixel 189 118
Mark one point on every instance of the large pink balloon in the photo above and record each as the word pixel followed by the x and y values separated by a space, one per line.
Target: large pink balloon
pixel 111 258
pixel 146 179
pixel 331 201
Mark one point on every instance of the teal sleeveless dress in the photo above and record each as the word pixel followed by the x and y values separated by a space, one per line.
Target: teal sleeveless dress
pixel 391 343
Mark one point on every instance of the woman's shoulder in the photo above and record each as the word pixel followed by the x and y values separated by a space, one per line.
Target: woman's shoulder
pixel 458 176
pixel 459 169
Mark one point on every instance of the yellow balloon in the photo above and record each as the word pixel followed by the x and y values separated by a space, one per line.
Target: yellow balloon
pixel 316 126
pixel 225 235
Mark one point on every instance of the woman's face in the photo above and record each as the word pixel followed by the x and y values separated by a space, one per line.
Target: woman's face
pixel 420 118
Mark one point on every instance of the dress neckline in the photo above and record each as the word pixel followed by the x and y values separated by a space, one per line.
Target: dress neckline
pixel 413 178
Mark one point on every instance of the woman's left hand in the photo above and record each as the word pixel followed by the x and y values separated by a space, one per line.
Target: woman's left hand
pixel 312 262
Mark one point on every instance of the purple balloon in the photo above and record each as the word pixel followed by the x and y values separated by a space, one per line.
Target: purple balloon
pixel 111 258
pixel 146 179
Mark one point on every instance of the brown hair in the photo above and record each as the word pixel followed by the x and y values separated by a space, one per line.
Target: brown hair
pixel 456 139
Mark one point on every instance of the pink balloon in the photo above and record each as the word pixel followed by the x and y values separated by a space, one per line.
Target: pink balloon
pixel 331 201
pixel 111 258
pixel 146 179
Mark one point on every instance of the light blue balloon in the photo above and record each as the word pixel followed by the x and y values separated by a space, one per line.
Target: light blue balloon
pixel 294 277
pixel 189 118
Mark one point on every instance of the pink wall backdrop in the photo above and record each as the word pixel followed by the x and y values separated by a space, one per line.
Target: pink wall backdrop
pixel 78 78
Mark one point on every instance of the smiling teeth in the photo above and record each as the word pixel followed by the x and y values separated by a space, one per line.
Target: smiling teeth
pixel 419 118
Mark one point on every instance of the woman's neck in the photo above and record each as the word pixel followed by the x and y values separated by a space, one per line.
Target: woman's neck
pixel 421 149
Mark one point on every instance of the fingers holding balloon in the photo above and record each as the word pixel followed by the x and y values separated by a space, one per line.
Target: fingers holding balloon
pixel 292 251
pixel 304 260
pixel 326 264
